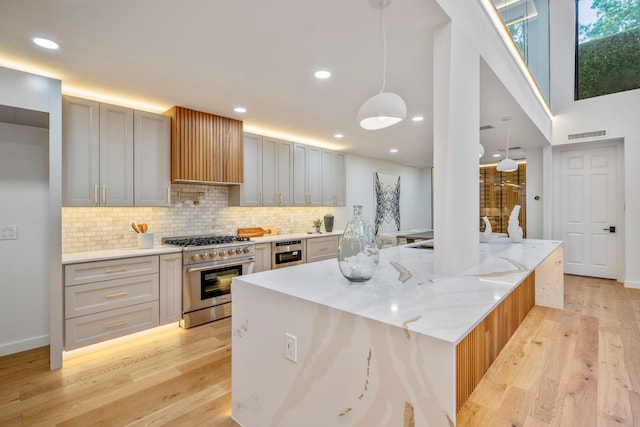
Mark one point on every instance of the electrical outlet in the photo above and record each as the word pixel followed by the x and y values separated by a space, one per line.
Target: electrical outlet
pixel 291 347
pixel 8 232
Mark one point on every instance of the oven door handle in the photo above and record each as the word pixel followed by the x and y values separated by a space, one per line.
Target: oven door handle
pixel 195 270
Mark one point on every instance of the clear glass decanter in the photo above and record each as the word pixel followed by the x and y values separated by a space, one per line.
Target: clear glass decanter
pixel 358 250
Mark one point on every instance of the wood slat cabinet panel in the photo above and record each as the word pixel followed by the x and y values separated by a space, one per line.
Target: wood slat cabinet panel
pixel 95 297
pixel 205 147
pixel 477 351
pixel 319 248
pixel 77 274
pixel 94 328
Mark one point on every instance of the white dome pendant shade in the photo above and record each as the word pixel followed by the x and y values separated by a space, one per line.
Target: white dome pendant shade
pixel 386 108
pixel 382 110
pixel 507 164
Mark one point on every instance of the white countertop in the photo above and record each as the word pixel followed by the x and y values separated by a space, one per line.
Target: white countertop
pixel 282 237
pixel 442 307
pixel 76 257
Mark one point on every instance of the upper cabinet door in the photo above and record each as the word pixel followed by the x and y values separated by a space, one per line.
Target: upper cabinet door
pixel 152 159
pixel 285 173
pixel 80 151
pixel 307 175
pixel 333 179
pixel 116 155
pixel 314 176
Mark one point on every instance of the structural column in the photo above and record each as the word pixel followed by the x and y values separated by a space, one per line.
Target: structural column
pixel 456 123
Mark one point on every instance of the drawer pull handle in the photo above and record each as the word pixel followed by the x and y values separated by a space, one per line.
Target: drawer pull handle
pixel 115 325
pixel 323 249
pixel 175 258
pixel 115 270
pixel 117 294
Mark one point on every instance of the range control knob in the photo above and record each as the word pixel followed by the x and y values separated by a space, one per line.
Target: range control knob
pixel 232 251
pixel 246 250
pixel 205 255
pixel 214 254
pixel 195 257
pixel 223 253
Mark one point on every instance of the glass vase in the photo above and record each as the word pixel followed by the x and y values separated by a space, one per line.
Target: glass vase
pixel 358 250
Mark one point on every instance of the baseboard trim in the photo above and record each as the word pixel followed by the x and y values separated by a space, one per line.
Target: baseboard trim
pixel 28 344
pixel 630 284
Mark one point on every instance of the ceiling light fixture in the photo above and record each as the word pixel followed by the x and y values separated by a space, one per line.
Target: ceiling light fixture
pixel 507 164
pixel 417 118
pixel 322 74
pixel 240 110
pixel 386 108
pixel 338 135
pixel 393 150
pixel 46 43
pixel 481 150
pixel 497 155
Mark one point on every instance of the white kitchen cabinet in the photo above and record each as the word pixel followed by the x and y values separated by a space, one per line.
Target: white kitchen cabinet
pixel 277 172
pixel 152 159
pixel 170 288
pixel 307 175
pixel 333 179
pixel 80 151
pixel 262 257
pixel 249 193
pixel 114 156
pixel 319 248
pixel 109 299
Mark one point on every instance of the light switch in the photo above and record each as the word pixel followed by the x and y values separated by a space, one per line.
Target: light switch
pixel 8 232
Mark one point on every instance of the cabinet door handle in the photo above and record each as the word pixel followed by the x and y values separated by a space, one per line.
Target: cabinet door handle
pixel 260 199
pixel 104 194
pixel 169 195
pixel 115 325
pixel 95 194
pixel 117 294
pixel 115 270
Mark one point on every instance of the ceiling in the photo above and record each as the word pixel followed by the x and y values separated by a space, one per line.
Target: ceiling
pixel 214 55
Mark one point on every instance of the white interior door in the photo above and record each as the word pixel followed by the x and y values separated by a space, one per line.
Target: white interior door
pixel 589 210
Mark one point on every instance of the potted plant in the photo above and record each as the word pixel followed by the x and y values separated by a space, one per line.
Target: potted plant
pixel 317 223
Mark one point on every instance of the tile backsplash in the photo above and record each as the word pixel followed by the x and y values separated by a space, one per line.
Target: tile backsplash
pixel 96 228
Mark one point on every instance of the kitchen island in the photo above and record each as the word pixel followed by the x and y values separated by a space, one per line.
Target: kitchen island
pixel 405 348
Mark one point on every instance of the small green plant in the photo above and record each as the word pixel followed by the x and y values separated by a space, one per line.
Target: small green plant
pixel 317 222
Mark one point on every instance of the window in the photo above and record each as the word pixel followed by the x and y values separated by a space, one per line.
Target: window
pixel 607 47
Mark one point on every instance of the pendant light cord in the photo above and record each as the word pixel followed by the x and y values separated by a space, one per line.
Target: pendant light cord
pixel 383 42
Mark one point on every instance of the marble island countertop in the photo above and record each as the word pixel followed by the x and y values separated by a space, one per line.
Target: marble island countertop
pixel 405 292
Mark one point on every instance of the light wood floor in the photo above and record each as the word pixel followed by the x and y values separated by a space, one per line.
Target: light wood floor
pixel 576 367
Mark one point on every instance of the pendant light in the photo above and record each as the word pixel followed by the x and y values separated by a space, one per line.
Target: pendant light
pixel 507 164
pixel 386 108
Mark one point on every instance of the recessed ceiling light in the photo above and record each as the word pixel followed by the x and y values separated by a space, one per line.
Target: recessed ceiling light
pixel 417 118
pixel 46 43
pixel 240 110
pixel 496 155
pixel 338 135
pixel 393 150
pixel 322 74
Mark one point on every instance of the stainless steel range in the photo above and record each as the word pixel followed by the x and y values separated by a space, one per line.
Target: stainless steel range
pixel 209 265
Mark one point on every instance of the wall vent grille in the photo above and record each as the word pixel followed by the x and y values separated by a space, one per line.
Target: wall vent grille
pixel 587 135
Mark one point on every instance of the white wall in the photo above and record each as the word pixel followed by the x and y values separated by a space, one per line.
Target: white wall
pixel 415 192
pixel 24 191
pixel 38 93
pixel 616 113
